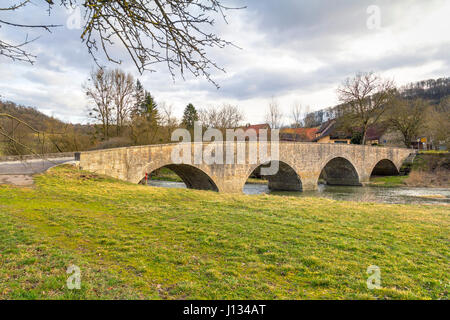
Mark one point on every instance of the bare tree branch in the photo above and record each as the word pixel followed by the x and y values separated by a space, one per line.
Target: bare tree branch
pixel 174 32
pixel 365 98
pixel 16 52
pixel 10 136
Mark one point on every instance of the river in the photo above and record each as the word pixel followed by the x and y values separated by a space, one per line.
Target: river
pixel 362 194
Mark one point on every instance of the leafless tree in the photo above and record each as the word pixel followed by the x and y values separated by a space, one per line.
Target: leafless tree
pixel 100 92
pixel 366 97
pixel 168 120
pixel 175 32
pixel 407 117
pixel 226 117
pixel 123 93
pixel 16 51
pixel 309 120
pixel 274 115
pixel 438 122
pixel 19 137
pixel 297 113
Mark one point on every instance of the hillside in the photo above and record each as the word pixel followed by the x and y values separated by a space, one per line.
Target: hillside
pixel 32 116
pixel 434 91
pixel 46 135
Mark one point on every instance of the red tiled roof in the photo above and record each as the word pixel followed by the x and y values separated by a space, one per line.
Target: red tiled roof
pixel 304 134
pixel 256 127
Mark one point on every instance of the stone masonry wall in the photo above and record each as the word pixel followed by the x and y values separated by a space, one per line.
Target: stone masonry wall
pixel 306 159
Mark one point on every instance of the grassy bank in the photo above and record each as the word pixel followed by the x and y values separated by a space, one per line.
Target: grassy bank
pixel 430 169
pixel 165 174
pixel 388 181
pixel 256 181
pixel 419 178
pixel 133 241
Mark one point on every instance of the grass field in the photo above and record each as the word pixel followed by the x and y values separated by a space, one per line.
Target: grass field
pixel 133 241
pixel 388 181
pixel 165 174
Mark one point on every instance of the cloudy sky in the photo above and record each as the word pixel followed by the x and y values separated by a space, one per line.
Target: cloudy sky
pixel 291 50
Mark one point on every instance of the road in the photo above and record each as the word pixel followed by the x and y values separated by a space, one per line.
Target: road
pixel 29 167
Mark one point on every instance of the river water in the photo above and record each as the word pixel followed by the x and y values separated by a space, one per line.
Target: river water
pixel 361 194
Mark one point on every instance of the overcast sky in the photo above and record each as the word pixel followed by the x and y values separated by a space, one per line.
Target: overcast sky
pixel 292 50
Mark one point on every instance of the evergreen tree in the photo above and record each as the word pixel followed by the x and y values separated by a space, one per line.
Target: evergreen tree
pixel 145 105
pixel 190 115
pixel 149 109
pixel 139 98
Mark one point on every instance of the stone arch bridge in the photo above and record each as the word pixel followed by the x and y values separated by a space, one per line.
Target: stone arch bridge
pixel 300 165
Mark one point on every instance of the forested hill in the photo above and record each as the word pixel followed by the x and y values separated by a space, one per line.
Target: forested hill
pixel 37 119
pixel 433 90
pixel 47 135
pixel 31 116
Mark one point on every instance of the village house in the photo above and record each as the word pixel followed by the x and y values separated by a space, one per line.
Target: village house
pixel 298 134
pixel 328 133
pixel 257 128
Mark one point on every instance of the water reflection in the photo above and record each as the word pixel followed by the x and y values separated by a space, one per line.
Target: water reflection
pixel 361 194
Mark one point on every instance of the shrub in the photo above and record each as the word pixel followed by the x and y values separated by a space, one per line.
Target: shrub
pixel 116 142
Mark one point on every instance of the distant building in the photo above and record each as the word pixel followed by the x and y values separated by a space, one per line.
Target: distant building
pixel 257 128
pixel 387 138
pixel 328 133
pixel 375 135
pixel 298 134
pixel 421 143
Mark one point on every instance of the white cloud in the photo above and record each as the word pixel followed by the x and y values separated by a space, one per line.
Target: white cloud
pixel 292 50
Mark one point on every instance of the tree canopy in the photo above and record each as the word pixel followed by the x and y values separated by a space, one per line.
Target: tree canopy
pixel 190 115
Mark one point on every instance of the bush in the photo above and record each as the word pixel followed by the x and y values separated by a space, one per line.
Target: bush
pixel 431 161
pixel 438 178
pixel 116 142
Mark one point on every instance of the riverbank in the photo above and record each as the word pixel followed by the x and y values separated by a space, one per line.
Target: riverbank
pixel 430 169
pixel 165 174
pixel 388 181
pixel 133 241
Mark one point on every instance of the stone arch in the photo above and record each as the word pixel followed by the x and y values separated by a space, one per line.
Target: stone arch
pixel 286 178
pixel 340 171
pixel 385 167
pixel 193 177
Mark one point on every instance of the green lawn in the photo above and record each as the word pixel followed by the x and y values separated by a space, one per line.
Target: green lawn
pixel 388 181
pixel 433 151
pixel 133 241
pixel 165 174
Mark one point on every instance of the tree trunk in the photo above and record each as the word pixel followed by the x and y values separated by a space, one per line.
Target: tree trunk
pixel 363 139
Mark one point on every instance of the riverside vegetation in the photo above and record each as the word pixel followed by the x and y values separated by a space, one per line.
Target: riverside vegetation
pixel 133 241
pixel 430 169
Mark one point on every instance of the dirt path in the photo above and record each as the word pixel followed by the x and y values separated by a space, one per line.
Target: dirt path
pixel 21 180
